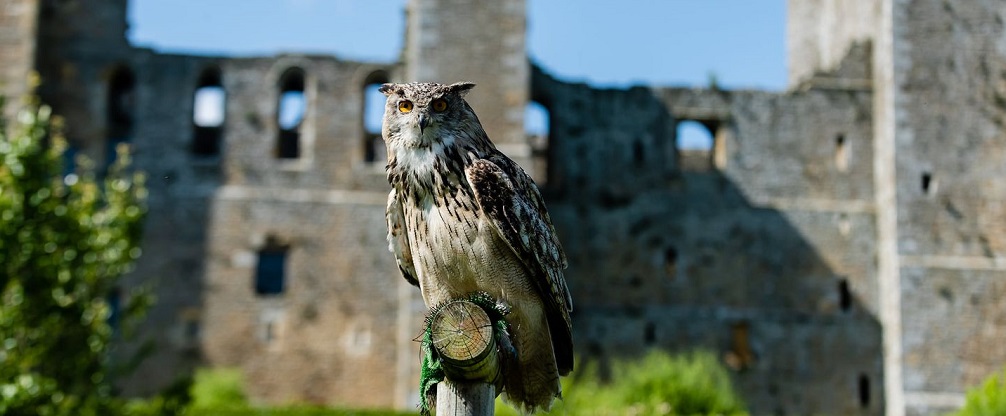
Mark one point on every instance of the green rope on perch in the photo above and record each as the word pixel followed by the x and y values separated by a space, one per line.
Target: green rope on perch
pixel 464 340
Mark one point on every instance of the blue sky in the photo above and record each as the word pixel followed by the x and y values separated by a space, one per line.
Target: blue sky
pixel 604 42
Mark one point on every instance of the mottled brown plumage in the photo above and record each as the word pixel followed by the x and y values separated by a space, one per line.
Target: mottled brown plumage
pixel 463 217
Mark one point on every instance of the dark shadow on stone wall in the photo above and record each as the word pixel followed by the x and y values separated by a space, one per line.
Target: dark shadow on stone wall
pixel 669 258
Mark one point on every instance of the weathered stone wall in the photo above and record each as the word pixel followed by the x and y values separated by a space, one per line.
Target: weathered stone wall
pixel 18 20
pixel 80 46
pixel 174 260
pixel 746 258
pixel 770 248
pixel 339 317
pixel 950 197
pixel 820 34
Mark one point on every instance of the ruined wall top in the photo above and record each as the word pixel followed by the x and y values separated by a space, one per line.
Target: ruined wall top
pixel 820 34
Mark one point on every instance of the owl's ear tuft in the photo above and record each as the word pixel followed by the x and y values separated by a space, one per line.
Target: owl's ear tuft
pixel 461 88
pixel 388 89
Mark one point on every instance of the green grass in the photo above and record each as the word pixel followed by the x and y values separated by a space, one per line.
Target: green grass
pixel 291 411
pixel 220 392
pixel 655 384
pixel 218 388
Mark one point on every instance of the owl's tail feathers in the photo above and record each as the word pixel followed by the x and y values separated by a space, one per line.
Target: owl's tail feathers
pixel 562 342
pixel 531 382
pixel 528 393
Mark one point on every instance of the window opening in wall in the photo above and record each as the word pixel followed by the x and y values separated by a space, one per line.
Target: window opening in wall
pixel 864 391
pixel 119 112
pixel 671 262
pixel 841 153
pixel 650 333
pixel 270 272
pixel 638 152
pixel 537 125
pixel 844 224
pixel 928 183
pixel 271 328
pixel 693 135
pixel 114 300
pixel 270 332
pixel 695 144
pixel 292 108
pixel 844 295
pixel 191 331
pixel 70 163
pixel 208 110
pixel 740 356
pixel 190 327
pixel 373 118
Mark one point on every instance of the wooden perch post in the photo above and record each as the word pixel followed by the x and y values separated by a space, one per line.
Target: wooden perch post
pixel 462 334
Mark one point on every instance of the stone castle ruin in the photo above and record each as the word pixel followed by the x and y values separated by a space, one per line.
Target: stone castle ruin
pixel 841 245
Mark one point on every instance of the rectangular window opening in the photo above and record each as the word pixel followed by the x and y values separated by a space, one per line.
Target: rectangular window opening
pixel 270 272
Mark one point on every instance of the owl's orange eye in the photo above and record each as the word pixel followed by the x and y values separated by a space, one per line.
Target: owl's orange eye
pixel 439 105
pixel 405 106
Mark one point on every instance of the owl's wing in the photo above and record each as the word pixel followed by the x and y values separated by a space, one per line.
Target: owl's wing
pixel 510 199
pixel 398 238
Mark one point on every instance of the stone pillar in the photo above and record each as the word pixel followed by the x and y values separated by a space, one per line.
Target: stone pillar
pixel 482 42
pixel 885 193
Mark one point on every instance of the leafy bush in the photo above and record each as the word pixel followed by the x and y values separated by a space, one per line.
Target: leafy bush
pixel 655 384
pixel 989 399
pixel 64 243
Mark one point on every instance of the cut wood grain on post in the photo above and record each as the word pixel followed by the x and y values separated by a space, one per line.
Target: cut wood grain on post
pixel 463 335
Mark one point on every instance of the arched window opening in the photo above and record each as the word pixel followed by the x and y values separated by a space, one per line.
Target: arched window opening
pixel 374 150
pixel 864 391
pixel 740 356
pixel 844 295
pixel 208 111
pixel 841 153
pixel 292 108
pixel 270 271
pixel 537 124
pixel 671 262
pixel 649 333
pixel 120 109
pixel 928 183
pixel 695 142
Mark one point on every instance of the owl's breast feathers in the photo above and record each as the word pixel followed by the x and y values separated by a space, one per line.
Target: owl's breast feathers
pixel 507 197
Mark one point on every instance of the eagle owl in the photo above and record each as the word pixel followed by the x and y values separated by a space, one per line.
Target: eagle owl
pixel 462 217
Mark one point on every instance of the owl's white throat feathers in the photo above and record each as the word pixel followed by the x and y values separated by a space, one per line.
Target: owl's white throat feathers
pixel 419 162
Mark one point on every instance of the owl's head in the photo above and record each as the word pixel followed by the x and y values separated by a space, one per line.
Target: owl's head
pixel 420 114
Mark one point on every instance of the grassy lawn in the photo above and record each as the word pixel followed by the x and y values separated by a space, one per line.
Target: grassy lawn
pixel 291 411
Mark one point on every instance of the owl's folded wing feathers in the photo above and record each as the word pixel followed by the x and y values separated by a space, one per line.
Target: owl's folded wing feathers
pixel 509 198
pixel 398 239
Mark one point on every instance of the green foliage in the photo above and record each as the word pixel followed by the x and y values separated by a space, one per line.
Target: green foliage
pixel 989 399
pixel 64 242
pixel 656 384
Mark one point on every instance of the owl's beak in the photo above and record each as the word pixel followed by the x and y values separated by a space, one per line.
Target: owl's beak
pixel 424 121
